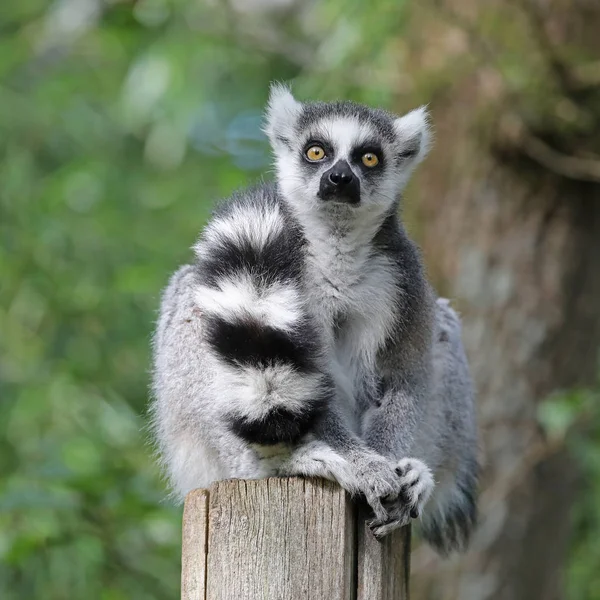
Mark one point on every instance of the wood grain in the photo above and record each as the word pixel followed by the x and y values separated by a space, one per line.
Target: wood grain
pixel 285 539
pixel 382 565
pixel 280 539
pixel 194 546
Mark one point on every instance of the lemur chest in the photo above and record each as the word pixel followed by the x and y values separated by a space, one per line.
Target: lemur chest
pixel 353 297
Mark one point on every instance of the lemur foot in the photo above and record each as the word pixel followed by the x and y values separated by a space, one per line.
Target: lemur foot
pixel 416 487
pixel 380 482
pixel 363 473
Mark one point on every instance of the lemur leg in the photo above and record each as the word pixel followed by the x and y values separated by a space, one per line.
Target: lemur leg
pixel 333 452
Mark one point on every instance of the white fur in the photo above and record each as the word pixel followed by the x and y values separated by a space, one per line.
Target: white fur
pixel 282 112
pixel 345 278
pixel 192 464
pixel 316 459
pixel 254 392
pixel 243 225
pixel 414 127
pixel 277 305
pixel 345 132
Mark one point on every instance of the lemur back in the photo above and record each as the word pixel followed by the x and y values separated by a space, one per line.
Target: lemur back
pixel 305 339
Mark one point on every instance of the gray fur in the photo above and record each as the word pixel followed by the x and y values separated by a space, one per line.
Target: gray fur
pixel 355 325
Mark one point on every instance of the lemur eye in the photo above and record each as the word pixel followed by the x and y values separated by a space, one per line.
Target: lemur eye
pixel 315 153
pixel 370 160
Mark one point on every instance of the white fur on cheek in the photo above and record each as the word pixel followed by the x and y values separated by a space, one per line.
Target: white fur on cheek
pixel 298 192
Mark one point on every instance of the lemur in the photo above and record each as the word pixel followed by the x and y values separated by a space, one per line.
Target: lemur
pixel 304 339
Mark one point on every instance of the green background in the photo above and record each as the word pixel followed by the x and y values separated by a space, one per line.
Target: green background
pixel 120 124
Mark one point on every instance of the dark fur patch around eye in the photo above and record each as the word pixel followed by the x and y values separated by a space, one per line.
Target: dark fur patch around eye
pixel 369 147
pixel 316 141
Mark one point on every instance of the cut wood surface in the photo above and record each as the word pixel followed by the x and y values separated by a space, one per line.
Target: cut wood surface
pixel 285 539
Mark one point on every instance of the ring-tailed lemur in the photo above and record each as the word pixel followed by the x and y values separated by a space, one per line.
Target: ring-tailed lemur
pixel 305 339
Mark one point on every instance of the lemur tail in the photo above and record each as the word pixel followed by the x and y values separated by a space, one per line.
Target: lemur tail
pixel 451 515
pixel 249 264
pixel 449 526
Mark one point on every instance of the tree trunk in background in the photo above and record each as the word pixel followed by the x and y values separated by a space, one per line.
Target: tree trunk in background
pixel 518 247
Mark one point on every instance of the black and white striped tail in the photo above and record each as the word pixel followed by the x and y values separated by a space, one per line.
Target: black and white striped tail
pixel 249 265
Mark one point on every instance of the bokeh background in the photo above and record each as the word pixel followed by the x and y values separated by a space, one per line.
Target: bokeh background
pixel 121 122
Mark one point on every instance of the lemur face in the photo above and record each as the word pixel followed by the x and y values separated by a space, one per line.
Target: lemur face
pixel 342 153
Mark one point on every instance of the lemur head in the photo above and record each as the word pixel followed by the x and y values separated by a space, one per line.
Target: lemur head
pixel 343 154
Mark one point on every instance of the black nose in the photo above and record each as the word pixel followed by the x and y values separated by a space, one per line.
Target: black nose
pixel 339 184
pixel 341 176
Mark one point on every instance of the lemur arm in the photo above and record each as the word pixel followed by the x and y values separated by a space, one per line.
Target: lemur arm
pixel 390 425
pixel 334 452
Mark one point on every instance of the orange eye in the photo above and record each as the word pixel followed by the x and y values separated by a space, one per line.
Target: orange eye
pixel 370 160
pixel 315 154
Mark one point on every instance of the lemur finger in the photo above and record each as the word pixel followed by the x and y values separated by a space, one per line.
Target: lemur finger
pixel 398 514
pixel 403 498
pixel 380 531
pixel 381 514
pixel 417 482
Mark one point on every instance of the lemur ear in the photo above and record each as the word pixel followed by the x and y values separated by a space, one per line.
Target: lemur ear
pixel 414 134
pixel 282 114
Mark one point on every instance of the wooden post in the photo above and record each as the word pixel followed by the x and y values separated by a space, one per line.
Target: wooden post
pixel 286 539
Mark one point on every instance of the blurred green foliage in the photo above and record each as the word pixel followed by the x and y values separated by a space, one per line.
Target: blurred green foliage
pixel 120 124
pixel 117 134
pixel 574 419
